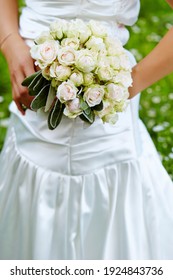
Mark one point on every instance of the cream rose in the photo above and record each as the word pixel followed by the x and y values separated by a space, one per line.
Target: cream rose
pixel 94 95
pixel 66 91
pixel 121 106
pixel 88 79
pixel 72 109
pixel 123 77
pixel 79 29
pixel 77 78
pixel 125 62
pixel 116 92
pixel 58 29
pixel 43 37
pixel 60 72
pixel 70 42
pixel 95 43
pixel 85 61
pixel 45 53
pixel 97 29
pixel 105 73
pixel 111 118
pixel 108 108
pixel 66 56
pixel 115 62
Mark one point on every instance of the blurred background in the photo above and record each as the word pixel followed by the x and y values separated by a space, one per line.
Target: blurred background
pixel 156 105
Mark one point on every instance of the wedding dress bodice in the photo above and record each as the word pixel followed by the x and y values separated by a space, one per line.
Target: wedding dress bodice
pixel 37 14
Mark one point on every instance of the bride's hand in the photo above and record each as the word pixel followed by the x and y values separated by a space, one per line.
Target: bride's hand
pixel 20 66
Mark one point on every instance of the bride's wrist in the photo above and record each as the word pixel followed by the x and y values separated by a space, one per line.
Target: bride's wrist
pixel 6 40
pixel 135 88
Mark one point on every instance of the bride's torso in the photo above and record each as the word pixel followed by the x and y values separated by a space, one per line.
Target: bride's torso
pixel 86 8
pixel 71 138
pixel 37 14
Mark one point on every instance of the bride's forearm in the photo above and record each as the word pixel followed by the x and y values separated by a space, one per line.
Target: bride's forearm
pixel 156 65
pixel 8 19
pixel 170 2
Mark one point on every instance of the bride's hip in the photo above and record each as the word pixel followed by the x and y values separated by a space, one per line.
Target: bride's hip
pixel 73 147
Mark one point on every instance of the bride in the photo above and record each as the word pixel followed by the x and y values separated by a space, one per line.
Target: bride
pixel 77 192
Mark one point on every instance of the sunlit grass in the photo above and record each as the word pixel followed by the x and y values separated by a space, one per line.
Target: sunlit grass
pixel 157 101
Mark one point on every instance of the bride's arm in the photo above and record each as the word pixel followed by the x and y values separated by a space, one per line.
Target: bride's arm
pixel 15 51
pixel 156 65
pixel 170 2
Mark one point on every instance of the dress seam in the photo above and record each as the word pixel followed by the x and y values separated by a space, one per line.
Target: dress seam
pixel 23 157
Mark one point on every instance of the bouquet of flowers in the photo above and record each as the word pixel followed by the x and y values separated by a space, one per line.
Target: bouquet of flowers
pixel 83 73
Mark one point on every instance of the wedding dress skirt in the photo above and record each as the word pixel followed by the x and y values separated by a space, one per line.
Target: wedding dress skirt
pixel 80 191
pixel 83 192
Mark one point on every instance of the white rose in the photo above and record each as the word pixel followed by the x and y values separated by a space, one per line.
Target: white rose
pixel 125 62
pixel 77 78
pixel 43 37
pixel 113 46
pixel 103 60
pixel 105 73
pixel 45 53
pixel 116 92
pixel 95 43
pixel 115 62
pixel 94 95
pixel 72 109
pixel 73 30
pixel 77 28
pixel 84 31
pixel 108 108
pixel 60 72
pixel 58 29
pixel 85 61
pixel 66 56
pixel 66 91
pixel 112 50
pixel 113 42
pixel 110 118
pixel 88 79
pixel 121 106
pixel 70 42
pixel 123 77
pixel 97 29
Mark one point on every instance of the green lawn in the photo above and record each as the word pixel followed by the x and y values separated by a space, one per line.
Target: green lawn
pixel 155 18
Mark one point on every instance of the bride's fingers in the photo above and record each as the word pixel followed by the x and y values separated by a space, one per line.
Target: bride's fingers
pixel 16 100
pixel 20 94
pixel 21 97
pixel 29 68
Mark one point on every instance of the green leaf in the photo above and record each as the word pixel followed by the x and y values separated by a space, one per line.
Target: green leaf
pixel 28 80
pixel 98 107
pixel 55 115
pixel 50 98
pixel 82 117
pixel 83 104
pixel 89 117
pixel 40 84
pixel 87 111
pixel 40 100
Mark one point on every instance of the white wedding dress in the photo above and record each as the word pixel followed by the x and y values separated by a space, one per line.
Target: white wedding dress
pixel 83 192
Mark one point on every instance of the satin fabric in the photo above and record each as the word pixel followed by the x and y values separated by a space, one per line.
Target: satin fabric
pixel 79 191
pixel 38 14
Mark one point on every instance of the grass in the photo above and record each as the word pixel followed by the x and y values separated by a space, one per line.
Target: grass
pixel 156 101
